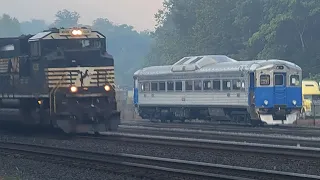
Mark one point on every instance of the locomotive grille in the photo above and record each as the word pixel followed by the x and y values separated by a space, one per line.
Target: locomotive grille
pixel 80 76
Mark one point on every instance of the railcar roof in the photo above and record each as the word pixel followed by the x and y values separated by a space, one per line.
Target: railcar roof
pixel 211 63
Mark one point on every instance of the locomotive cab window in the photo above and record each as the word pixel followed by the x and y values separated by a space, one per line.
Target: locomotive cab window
pixel 170 86
pixel 226 85
pixel 207 85
pixel 278 80
pixel 162 86
pixel 178 86
pixel 154 86
pixel 189 85
pixel 294 80
pixel 35 48
pixel 264 80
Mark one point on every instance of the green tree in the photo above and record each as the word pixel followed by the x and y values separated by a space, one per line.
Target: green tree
pixel 66 19
pixel 127 46
pixel 10 27
pixel 34 26
pixel 242 29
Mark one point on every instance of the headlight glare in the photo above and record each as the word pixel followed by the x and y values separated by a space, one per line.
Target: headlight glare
pixel 73 89
pixel 107 88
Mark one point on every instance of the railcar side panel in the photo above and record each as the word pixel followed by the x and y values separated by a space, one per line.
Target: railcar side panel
pixel 194 99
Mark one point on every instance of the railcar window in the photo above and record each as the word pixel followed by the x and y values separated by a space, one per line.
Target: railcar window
pixel 294 80
pixel 189 85
pixel 236 84
pixel 226 85
pixel 216 85
pixel 197 85
pixel 154 86
pixel 146 86
pixel 207 85
pixel 178 86
pixel 162 86
pixel 141 87
pixel 195 60
pixel 278 80
pixel 264 80
pixel 170 86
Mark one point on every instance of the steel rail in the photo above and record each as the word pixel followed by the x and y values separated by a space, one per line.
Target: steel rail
pixel 163 165
pixel 255 148
pixel 226 136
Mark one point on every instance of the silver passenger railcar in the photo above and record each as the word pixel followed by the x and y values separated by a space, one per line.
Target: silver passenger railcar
pixel 216 87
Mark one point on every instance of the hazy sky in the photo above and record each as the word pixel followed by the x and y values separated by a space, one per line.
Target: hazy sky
pixel 138 13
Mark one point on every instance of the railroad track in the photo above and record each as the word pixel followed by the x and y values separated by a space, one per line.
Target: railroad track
pixel 286 130
pixel 225 136
pixel 152 167
pixel 205 144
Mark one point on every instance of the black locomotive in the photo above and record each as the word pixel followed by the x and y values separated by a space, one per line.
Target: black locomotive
pixel 62 78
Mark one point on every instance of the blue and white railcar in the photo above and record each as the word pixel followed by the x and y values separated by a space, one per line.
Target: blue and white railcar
pixel 218 87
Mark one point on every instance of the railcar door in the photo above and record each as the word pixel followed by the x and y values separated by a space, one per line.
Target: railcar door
pixel 251 89
pixel 279 80
pixel 135 91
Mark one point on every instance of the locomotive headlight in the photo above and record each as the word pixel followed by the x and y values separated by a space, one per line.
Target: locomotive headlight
pixel 266 102
pixel 107 88
pixel 294 102
pixel 73 89
pixel 76 32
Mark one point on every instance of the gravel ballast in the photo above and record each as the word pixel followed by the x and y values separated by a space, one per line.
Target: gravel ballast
pixel 15 168
pixel 212 156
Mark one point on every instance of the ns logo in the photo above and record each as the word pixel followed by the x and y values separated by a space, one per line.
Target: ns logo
pixel 84 76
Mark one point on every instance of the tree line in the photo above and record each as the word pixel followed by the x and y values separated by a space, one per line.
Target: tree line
pixel 241 29
pixel 128 46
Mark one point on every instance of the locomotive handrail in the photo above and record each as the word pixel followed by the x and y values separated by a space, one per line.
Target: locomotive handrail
pixel 109 76
pixel 54 90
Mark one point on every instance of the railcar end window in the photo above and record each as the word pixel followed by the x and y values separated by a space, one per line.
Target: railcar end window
pixel 216 85
pixel 207 85
pixel 189 85
pixel 178 86
pixel 170 86
pixel 278 80
pixel 146 87
pixel 162 86
pixel 264 80
pixel 197 85
pixel 294 80
pixel 226 85
pixel 236 84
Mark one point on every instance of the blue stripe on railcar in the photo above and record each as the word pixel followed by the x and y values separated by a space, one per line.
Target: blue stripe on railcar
pixel 135 96
pixel 269 94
